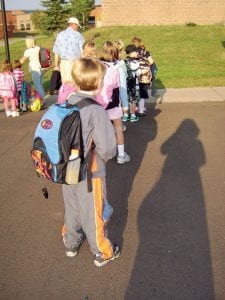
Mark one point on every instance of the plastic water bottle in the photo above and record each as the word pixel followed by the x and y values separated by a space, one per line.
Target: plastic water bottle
pixel 73 169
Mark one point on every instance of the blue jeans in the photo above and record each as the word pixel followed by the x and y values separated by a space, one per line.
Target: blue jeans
pixel 124 97
pixel 107 211
pixel 38 85
pixel 153 87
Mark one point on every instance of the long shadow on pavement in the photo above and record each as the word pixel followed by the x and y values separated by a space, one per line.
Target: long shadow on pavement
pixel 121 177
pixel 173 258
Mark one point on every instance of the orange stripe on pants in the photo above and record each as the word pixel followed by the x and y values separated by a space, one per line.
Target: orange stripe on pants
pixel 103 243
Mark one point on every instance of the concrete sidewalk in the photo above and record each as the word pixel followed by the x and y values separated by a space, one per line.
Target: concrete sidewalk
pixel 190 95
pixel 172 95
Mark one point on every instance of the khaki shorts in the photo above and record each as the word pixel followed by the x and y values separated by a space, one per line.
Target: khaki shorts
pixel 65 69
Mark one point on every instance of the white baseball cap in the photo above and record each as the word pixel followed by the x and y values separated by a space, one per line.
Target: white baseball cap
pixel 74 20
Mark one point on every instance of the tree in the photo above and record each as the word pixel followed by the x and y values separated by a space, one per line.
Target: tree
pixel 81 9
pixel 36 19
pixel 55 15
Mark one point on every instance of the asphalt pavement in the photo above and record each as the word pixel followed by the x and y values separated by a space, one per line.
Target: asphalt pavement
pixel 168 210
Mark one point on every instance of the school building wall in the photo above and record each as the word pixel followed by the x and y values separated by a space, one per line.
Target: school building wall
pixel 17 20
pixel 162 12
pixel 11 24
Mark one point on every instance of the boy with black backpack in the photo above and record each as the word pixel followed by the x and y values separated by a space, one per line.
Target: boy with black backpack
pixel 133 72
pixel 83 209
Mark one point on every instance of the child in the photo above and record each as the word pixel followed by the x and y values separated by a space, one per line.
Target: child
pixel 32 53
pixel 19 77
pixel 65 92
pixel 109 97
pixel 142 52
pixel 35 101
pixel 83 209
pixel 133 71
pixel 8 89
pixel 89 49
pixel 123 80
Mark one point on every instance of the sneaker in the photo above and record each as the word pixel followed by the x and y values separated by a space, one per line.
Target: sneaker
pixel 15 114
pixel 8 113
pixel 24 107
pixel 122 159
pixel 100 262
pixel 143 114
pixel 134 118
pixel 73 251
pixel 43 105
pixel 125 118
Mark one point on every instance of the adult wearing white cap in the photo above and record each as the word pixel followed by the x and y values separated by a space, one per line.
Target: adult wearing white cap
pixel 68 47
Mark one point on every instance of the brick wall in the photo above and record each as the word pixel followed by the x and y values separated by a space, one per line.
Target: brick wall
pixel 162 12
pixel 11 24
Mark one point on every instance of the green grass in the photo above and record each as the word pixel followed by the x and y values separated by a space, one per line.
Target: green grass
pixel 187 56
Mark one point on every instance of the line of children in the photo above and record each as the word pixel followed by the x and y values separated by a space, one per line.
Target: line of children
pixel 13 90
pixel 109 80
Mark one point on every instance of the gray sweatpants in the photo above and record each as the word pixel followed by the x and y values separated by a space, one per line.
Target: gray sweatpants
pixel 83 215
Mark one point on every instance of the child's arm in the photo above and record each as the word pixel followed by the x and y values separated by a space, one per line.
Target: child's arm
pixel 12 83
pixel 22 75
pixel 23 59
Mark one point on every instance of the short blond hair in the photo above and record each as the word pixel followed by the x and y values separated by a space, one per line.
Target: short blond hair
pixel 89 49
pixel 30 43
pixel 88 74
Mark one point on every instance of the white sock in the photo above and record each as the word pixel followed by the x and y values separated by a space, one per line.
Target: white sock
pixel 120 150
pixel 141 105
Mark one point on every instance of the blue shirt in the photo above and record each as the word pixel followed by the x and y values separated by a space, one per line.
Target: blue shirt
pixel 68 44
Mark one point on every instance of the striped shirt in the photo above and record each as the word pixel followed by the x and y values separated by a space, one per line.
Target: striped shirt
pixel 19 76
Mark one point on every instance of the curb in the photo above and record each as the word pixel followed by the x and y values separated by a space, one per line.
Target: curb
pixel 189 95
pixel 172 95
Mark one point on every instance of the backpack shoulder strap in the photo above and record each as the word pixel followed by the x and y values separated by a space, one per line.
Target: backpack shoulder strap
pixel 82 103
pixel 86 102
pixel 89 157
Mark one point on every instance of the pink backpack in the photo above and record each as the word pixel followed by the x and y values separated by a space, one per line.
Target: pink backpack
pixel 111 83
pixel 7 85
